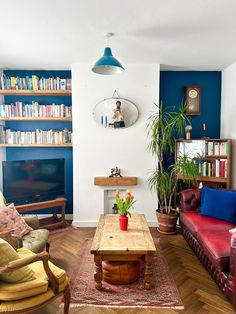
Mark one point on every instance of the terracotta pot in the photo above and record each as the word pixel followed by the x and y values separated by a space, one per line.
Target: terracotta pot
pixel 167 223
pixel 123 220
pixel 120 273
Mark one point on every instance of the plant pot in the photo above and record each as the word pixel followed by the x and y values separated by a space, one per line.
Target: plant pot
pixel 167 223
pixel 123 220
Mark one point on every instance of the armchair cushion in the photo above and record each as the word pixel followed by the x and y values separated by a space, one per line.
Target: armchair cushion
pixel 36 287
pixel 219 204
pixel 32 221
pixel 11 220
pixel 36 240
pixel 8 254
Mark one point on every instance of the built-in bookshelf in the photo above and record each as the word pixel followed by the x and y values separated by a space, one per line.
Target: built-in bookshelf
pixel 212 158
pixel 35 111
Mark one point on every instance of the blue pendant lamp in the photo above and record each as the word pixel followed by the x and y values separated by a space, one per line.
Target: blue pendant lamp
pixel 107 64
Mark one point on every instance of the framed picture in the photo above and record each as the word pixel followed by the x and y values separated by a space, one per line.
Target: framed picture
pixel 193 97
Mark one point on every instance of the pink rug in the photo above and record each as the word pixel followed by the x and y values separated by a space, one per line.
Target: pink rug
pixel 83 293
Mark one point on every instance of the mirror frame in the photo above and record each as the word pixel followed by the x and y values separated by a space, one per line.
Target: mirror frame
pixel 115 99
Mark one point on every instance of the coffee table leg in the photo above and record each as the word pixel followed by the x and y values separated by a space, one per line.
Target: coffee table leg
pixel 148 272
pixel 98 271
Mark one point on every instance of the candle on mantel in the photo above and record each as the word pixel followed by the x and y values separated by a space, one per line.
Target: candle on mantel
pixel 204 126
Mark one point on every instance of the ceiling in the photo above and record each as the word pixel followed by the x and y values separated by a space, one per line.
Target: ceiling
pixel 178 34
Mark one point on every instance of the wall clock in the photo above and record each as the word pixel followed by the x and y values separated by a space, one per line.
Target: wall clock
pixel 193 95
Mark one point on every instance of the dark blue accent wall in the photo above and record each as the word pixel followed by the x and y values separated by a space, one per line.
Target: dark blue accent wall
pixel 27 153
pixel 172 92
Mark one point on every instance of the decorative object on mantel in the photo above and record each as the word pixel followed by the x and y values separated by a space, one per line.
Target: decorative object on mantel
pixel 204 129
pixel 115 112
pixel 115 181
pixel 188 130
pixel 115 172
pixel 124 204
pixel 115 209
pixel 107 64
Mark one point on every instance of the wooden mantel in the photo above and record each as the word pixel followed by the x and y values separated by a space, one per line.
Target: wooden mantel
pixel 115 181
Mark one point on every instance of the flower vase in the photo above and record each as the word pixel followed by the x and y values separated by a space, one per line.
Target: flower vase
pixel 123 220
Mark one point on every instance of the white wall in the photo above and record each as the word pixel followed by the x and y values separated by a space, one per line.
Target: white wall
pixel 228 111
pixel 96 149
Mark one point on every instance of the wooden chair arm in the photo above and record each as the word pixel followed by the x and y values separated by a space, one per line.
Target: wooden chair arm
pixel 44 257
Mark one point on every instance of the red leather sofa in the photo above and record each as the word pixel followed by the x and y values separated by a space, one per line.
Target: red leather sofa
pixel 211 241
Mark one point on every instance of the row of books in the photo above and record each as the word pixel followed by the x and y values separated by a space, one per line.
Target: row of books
pixel 9 136
pixel 216 148
pixel 34 83
pixel 35 110
pixel 216 168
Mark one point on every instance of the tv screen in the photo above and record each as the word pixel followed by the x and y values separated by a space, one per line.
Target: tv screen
pixel 26 181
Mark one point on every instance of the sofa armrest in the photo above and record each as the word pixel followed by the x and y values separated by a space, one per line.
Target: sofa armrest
pixel 32 221
pixel 190 199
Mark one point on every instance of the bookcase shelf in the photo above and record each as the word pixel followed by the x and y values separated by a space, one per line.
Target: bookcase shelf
pixel 37 145
pixel 208 179
pixel 36 119
pixel 12 92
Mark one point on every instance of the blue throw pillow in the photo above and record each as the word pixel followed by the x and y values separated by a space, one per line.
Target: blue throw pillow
pixel 219 204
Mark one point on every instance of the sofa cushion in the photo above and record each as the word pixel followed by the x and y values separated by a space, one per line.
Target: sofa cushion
pixel 11 220
pixel 8 254
pixel 195 221
pixel 216 245
pixel 219 204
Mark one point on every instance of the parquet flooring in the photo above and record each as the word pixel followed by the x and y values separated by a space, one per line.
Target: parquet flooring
pixel 198 291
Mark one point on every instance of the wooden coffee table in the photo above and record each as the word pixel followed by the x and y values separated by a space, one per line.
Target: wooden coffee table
pixel 112 244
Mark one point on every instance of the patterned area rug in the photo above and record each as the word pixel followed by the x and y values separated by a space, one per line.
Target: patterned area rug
pixel 83 293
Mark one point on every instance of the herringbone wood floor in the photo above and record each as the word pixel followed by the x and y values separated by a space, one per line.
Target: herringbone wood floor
pixel 198 291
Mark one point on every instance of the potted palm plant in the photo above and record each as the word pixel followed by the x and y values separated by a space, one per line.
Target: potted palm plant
pixel 163 127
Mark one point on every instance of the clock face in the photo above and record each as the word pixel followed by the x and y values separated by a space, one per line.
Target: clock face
pixel 192 93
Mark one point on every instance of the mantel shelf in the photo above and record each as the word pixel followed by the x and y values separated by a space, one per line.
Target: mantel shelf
pixel 115 181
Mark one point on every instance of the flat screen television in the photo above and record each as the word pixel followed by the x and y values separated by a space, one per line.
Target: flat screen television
pixel 27 181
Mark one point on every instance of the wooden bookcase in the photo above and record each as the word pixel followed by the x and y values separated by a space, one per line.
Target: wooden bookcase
pixel 213 157
pixel 36 119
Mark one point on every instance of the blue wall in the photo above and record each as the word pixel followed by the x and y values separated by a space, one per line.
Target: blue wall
pixel 28 153
pixel 172 92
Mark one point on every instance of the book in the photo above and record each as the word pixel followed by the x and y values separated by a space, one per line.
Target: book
pixel 210 148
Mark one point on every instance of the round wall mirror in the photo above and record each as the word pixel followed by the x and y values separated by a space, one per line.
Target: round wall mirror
pixel 115 113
